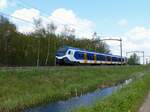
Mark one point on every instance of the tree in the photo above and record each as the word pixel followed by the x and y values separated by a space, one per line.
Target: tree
pixel 51 28
pixel 39 33
pixel 7 29
pixel 40 46
pixel 133 60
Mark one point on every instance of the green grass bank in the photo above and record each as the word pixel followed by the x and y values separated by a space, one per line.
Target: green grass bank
pixel 127 99
pixel 27 87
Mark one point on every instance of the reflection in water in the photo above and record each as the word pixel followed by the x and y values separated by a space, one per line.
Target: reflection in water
pixel 75 102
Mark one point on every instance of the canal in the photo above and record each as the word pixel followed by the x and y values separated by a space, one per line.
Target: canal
pixel 76 102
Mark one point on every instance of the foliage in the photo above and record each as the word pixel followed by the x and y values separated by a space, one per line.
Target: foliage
pixel 38 47
pixel 133 60
pixel 26 87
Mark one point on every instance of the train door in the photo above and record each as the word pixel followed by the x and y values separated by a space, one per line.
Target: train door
pixel 94 58
pixel 109 59
pixel 85 57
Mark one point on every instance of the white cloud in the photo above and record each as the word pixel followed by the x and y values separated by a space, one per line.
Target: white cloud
pixel 136 39
pixel 27 15
pixel 3 4
pixel 60 17
pixel 83 27
pixel 140 36
pixel 123 23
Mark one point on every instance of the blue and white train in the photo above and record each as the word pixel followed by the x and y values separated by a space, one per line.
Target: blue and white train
pixel 76 56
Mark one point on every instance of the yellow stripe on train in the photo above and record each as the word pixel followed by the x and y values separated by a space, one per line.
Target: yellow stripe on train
pixel 85 57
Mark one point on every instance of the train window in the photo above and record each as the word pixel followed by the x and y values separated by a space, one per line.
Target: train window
pixel 108 58
pixel 103 58
pixel 90 56
pixel 119 59
pixel 114 59
pixel 82 56
pixel 61 52
pixel 100 58
pixel 79 55
pixel 69 52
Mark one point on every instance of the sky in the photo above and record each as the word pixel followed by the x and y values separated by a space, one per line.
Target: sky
pixel 126 19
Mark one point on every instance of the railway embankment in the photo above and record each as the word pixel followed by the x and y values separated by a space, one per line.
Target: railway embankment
pixel 28 87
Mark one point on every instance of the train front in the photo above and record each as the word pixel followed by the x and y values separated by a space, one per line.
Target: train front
pixel 61 56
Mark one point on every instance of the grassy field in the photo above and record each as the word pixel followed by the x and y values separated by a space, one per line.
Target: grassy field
pixel 128 99
pixel 27 87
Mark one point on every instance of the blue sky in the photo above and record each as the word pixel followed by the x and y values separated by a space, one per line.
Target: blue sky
pixel 104 13
pixel 126 19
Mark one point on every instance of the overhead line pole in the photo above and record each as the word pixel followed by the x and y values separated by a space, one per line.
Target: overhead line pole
pixel 143 58
pixel 147 58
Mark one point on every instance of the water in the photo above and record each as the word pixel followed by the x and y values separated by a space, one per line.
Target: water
pixel 76 102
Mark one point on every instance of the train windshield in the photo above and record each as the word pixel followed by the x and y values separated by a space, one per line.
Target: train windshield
pixel 61 52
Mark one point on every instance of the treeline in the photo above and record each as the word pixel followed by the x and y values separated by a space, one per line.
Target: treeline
pixel 40 46
pixel 134 59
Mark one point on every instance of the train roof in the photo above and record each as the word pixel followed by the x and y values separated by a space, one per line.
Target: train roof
pixel 73 48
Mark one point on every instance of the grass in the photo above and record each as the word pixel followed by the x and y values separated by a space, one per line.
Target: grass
pixel 128 99
pixel 27 87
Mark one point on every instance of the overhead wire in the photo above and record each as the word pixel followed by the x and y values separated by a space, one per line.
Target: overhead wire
pixel 7 15
pixel 23 3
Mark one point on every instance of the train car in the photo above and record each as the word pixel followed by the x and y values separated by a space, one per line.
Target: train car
pixel 76 56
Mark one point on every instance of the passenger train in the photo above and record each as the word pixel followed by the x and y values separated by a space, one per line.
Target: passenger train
pixel 75 56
